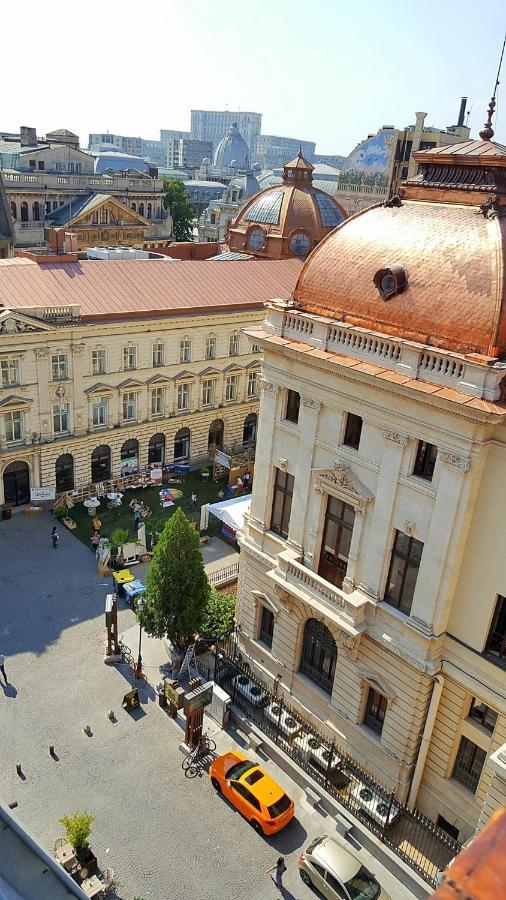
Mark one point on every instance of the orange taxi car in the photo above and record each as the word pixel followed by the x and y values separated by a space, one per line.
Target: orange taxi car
pixel 252 791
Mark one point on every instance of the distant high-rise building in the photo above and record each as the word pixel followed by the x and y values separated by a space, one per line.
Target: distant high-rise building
pixel 182 153
pixel 169 134
pixel 154 151
pixel 212 125
pixel 272 151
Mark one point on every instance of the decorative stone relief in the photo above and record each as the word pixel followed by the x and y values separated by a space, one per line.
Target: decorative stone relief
pixel 45 424
pixel 268 386
pixel 78 349
pixel 283 596
pixel 458 462
pixel 282 463
pixel 341 476
pixel 394 437
pixel 349 643
pixel 409 528
pixel 311 404
pixel 16 326
pixel 41 352
pixel 60 392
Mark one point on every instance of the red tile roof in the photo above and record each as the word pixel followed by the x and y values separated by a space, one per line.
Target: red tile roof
pixel 123 288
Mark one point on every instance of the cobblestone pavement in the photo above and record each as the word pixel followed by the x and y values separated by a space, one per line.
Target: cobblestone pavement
pixel 166 836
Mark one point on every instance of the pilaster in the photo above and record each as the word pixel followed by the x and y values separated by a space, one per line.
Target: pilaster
pixel 41 357
pixel 308 422
pixel 266 431
pixel 79 411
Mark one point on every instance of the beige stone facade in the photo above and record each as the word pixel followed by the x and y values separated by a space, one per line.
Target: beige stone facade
pixel 408 680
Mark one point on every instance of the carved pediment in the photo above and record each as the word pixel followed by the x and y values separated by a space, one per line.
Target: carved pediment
pixel 158 380
pixel 341 481
pixel 232 367
pixel 18 323
pixel 377 682
pixel 13 403
pixel 99 388
pixel 254 364
pixel 185 375
pixel 209 371
pixel 130 384
pixel 265 600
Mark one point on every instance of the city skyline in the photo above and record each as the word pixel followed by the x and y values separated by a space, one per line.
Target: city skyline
pixel 328 90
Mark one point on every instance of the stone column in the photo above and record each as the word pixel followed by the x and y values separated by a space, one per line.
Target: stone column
pixel 381 519
pixel 437 567
pixel 41 356
pixel 308 422
pixel 265 441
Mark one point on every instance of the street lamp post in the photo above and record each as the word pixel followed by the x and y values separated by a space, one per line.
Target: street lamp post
pixel 138 669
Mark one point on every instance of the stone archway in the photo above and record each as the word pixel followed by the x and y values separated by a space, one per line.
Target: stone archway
pixel 215 438
pixel 64 473
pixel 16 479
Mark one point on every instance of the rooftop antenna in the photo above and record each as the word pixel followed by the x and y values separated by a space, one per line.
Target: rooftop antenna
pixel 488 132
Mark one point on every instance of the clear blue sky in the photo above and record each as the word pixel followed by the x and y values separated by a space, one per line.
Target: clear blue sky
pixel 321 70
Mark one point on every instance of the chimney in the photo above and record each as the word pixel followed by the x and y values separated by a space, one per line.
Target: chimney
pixel 462 112
pixel 27 136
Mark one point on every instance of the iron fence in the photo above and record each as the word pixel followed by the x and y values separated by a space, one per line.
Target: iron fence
pixel 411 835
pixel 227 575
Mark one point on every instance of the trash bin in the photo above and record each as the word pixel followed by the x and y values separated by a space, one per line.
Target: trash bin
pixel 162 699
pixel 7 512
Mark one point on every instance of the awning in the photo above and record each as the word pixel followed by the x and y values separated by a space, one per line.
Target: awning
pixel 231 512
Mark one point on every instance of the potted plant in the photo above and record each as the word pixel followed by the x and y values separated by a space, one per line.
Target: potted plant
pixel 120 537
pixel 78 828
pixel 61 512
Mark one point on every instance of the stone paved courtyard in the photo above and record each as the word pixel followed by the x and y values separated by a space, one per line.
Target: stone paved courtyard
pixel 165 836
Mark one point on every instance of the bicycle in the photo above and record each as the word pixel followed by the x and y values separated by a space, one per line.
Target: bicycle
pixel 191 763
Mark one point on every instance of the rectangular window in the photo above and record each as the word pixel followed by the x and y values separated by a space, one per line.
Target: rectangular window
pixel 31 163
pixel 60 418
pixel 266 627
pixel 231 387
pixel 13 426
pixel 337 532
pixel 255 348
pixel 469 764
pixel 208 392
pixel 129 406
pixel 59 366
pixel 282 502
pixel 211 347
pixel 41 165
pixel 375 710
pixel 233 344
pixel 253 384
pixel 10 372
pixel 403 572
pixel 496 641
pixel 185 350
pixel 104 216
pixel 352 431
pixel 129 357
pixel 158 354
pixel 157 401
pixel 483 714
pixel 183 396
pixel 425 460
pixel 99 412
pixel 98 362
pixel 292 406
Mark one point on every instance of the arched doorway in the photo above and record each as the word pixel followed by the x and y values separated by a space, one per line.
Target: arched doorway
pixel 215 435
pixel 182 445
pixel 64 471
pixel 249 431
pixel 101 463
pixel 129 457
pixel 319 654
pixel 156 449
pixel 17 483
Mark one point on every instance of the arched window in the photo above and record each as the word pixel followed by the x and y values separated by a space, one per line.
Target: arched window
pixel 249 431
pixel 64 471
pixel 101 463
pixel 148 213
pixel 16 480
pixel 14 210
pixel 182 445
pixel 24 211
pixel 36 211
pixel 319 654
pixel 156 449
pixel 215 438
pixel 141 209
pixel 129 457
pixel 134 207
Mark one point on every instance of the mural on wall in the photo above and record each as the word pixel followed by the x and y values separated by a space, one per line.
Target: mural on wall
pixel 369 162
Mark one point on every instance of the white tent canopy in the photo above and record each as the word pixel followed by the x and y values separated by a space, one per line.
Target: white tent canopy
pixel 231 512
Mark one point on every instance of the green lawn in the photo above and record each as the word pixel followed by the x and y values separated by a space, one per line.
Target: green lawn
pixel 122 517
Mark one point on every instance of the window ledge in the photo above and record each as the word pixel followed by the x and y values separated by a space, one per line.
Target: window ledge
pixel 418 484
pixel 371 734
pixel 324 696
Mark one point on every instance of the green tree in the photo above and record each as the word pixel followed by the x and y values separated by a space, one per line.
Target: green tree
pixel 78 828
pixel 177 588
pixel 218 614
pixel 181 210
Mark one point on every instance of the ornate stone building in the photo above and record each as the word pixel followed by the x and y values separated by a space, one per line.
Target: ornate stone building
pixel 111 364
pixel 372 583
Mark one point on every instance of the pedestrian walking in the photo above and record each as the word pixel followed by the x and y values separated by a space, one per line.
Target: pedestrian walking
pixel 194 500
pixel 2 668
pixel 279 869
pixel 55 537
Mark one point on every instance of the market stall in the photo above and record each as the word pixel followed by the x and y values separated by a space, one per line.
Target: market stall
pixel 231 514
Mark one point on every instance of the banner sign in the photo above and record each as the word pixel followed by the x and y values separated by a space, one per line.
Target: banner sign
pixel 199 698
pixel 42 493
pixel 222 459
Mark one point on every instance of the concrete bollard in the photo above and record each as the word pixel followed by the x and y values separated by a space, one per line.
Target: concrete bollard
pixel 87 730
pixel 19 770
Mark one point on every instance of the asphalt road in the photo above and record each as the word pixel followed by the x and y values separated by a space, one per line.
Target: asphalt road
pixel 166 836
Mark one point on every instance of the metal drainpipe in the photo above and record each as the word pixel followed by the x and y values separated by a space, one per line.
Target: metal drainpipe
pixel 426 737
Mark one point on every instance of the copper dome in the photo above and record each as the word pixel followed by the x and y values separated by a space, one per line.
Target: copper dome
pixel 445 235
pixel 287 219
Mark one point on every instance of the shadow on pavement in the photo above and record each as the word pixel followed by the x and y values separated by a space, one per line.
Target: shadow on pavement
pixel 9 690
pixel 289 839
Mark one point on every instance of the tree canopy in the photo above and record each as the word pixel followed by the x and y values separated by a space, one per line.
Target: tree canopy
pixel 177 589
pixel 218 614
pixel 181 210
